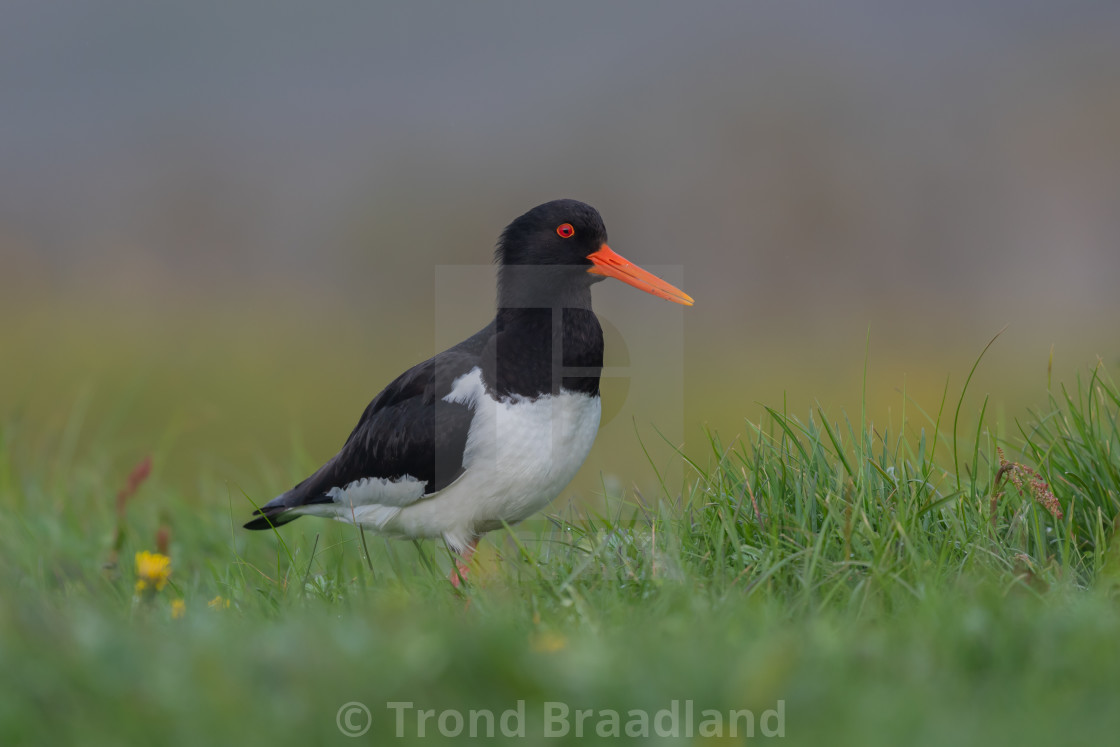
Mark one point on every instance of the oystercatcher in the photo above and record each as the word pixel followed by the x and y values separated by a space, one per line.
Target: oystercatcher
pixel 489 431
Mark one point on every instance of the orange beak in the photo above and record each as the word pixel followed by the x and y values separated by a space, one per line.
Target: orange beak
pixel 609 264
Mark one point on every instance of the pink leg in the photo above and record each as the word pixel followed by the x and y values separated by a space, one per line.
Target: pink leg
pixel 459 572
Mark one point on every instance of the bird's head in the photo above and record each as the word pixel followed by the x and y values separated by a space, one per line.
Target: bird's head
pixel 568 239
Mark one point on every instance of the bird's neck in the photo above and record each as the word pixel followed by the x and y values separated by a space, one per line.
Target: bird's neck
pixel 543 286
pixel 544 350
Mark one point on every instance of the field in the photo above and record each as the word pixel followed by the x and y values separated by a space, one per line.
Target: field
pixel 819 580
pixel 832 503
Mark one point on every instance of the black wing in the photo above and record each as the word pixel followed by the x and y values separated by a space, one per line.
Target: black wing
pixel 408 429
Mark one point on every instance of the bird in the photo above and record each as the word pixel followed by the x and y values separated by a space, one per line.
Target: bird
pixel 491 430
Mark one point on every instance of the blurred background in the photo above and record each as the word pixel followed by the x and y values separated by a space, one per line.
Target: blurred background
pixel 224 227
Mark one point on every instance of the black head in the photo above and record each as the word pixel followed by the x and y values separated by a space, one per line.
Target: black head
pixel 552 254
pixel 543 256
pixel 561 232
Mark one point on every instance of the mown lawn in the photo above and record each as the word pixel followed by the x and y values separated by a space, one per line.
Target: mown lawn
pixel 821 581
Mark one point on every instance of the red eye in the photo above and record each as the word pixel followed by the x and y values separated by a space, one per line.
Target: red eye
pixel 565 230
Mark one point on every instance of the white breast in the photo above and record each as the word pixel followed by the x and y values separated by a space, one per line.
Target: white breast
pixel 520 454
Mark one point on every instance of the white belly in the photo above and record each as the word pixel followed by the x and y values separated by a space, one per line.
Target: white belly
pixel 520 454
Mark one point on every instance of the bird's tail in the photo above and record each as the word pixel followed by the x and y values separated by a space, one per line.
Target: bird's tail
pixel 273 514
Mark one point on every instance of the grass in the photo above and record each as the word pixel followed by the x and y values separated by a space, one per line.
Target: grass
pixel 880 584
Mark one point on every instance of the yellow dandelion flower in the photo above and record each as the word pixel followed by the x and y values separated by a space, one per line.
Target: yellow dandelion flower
pixel 218 602
pixel 152 570
pixel 548 642
pixel 178 609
